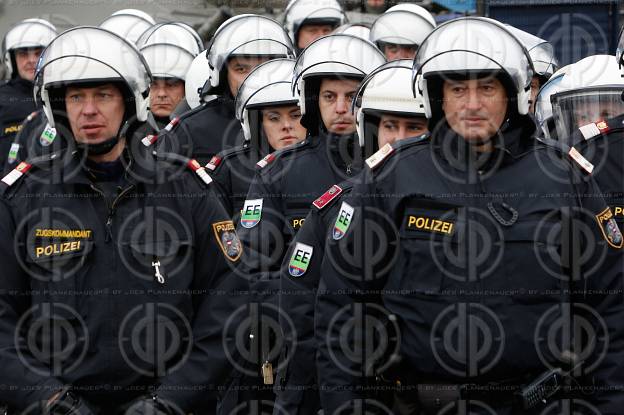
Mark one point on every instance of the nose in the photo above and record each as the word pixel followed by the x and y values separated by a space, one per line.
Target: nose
pixel 89 107
pixel 287 124
pixel 342 104
pixel 473 101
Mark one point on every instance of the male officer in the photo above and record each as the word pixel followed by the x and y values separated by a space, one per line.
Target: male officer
pixel 590 110
pixel 169 49
pixel 240 44
pixel 542 55
pixel 114 294
pixel 308 20
pixel 401 29
pixel 454 272
pixel 386 113
pixel 21 48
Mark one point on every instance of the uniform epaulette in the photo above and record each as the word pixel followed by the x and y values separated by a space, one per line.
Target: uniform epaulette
pixel 152 138
pixel 329 196
pixel 387 150
pixel 266 160
pixel 271 157
pixel 598 128
pixel 217 160
pixel 25 166
pixel 192 164
pixel 32 115
pixel 15 174
pixel 571 152
pixel 199 171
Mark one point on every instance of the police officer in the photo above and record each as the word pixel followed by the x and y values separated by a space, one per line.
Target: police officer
pixel 591 92
pixel 269 113
pixel 128 23
pixel 240 44
pixel 387 112
pixel 21 48
pixel 444 239
pixel 595 87
pixel 543 105
pixel 542 55
pixel 327 75
pixel 308 20
pixel 169 49
pixel 113 295
pixel 399 31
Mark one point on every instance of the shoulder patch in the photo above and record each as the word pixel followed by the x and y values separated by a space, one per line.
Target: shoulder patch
pixel 327 197
pixel 213 163
pixel 13 153
pixel 343 220
pixel 252 213
pixel 580 160
pixel 382 154
pixel 16 173
pixel 200 171
pixel 48 136
pixel 594 129
pixel 300 259
pixel 266 160
pixel 225 234
pixel 609 228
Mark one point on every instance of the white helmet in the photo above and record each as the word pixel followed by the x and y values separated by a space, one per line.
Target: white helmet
pixel 244 35
pixel 29 33
pixel 413 8
pixel 301 12
pixel 332 56
pixel 267 85
pixel 90 54
pixel 541 51
pixel 172 33
pixel 128 23
pixel 543 104
pixel 471 45
pixel 167 61
pixel 404 24
pixel 361 30
pixel 385 90
pixel 593 92
pixel 196 76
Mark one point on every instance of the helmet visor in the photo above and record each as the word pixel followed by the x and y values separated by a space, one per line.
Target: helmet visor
pixel 574 109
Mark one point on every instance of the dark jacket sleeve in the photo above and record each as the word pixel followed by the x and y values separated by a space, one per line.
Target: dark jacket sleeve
pixel 219 294
pixel 25 378
pixel 346 292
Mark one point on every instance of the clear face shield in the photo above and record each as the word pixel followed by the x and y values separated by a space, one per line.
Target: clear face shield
pixel 574 109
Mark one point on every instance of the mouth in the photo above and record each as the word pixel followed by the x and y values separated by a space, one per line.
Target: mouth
pixel 342 124
pixel 91 129
pixel 288 138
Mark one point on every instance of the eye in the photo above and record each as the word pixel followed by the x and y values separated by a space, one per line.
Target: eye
pixel 328 96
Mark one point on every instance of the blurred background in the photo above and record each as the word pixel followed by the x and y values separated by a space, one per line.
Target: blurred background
pixel 576 28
